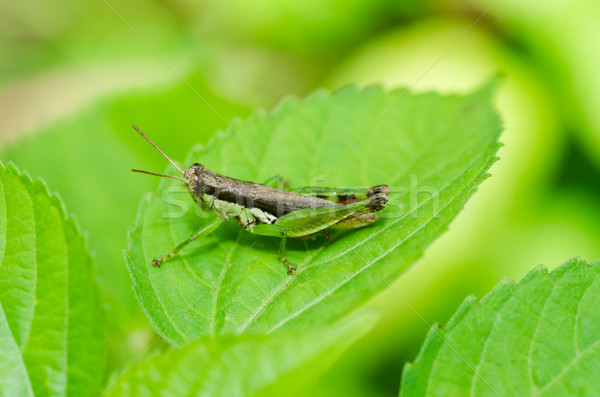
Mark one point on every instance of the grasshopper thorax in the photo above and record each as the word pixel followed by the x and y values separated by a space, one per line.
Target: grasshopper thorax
pixel 203 183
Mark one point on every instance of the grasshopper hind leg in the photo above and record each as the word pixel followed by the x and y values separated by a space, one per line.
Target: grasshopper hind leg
pixel 307 222
pixel 360 219
pixel 376 202
pixel 283 259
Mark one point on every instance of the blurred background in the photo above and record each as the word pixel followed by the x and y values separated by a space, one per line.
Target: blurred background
pixel 75 74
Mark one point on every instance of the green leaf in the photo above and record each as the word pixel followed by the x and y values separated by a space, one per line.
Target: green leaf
pixel 433 151
pixel 95 180
pixel 246 365
pixel 52 332
pixel 538 337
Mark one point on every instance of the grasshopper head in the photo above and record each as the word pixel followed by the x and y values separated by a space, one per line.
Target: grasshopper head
pixel 200 180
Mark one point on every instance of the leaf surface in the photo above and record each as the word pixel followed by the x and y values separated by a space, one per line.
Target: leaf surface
pixel 433 151
pixel 95 180
pixel 246 365
pixel 539 337
pixel 52 329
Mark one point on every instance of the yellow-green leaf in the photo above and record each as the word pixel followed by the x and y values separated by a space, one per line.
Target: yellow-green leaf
pixel 432 150
pixel 538 337
pixel 52 331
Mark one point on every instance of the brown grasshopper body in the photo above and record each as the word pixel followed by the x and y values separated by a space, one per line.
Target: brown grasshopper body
pixel 266 210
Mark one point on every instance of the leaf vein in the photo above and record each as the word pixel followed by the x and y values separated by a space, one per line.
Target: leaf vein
pixel 159 299
pixel 488 337
pixel 567 367
pixel 214 308
pixel 383 254
pixel 287 281
pixel 534 388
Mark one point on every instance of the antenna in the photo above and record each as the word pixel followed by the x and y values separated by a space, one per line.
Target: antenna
pixel 160 151
pixel 164 176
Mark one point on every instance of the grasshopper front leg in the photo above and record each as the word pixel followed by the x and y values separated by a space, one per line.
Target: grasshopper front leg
pixel 204 231
pixel 309 221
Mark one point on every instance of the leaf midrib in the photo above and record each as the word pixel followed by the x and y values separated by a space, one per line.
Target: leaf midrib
pixel 476 375
pixel 27 333
pixel 534 388
pixel 369 264
pixel 21 361
pixel 306 264
pixel 214 308
pixel 577 357
pixel 160 301
pixel 567 367
pixel 388 225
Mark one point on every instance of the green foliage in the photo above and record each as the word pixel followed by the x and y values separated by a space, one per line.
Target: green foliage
pixel 538 337
pixel 432 150
pixel 94 179
pixel 52 332
pixel 232 366
pixel 318 25
pixel 541 205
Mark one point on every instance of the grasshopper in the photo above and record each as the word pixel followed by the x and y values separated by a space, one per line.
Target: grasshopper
pixel 265 210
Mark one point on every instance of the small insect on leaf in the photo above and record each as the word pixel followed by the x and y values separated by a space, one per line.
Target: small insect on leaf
pixel 431 150
pixel 268 211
